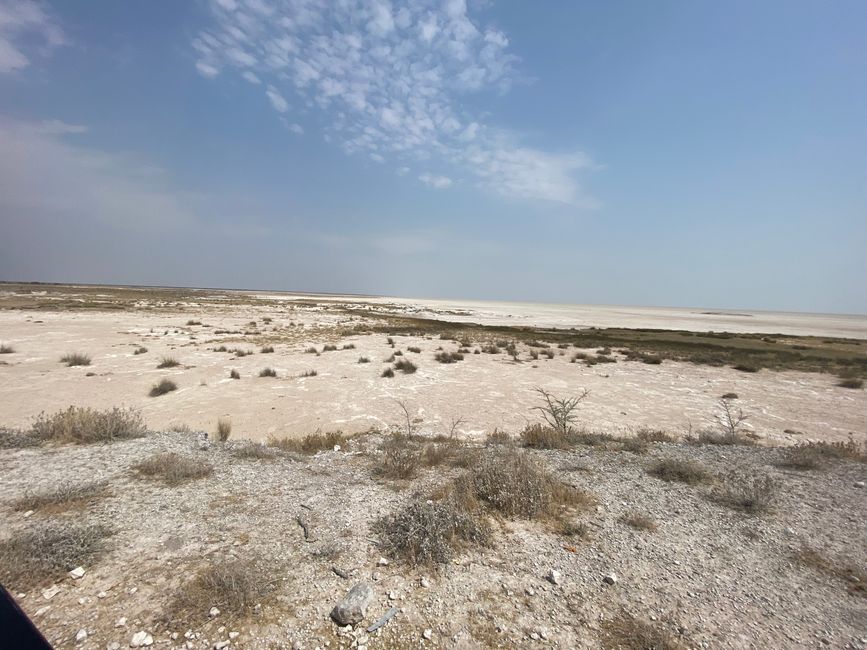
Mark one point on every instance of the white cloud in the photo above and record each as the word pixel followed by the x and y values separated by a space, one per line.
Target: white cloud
pixel 252 78
pixel 59 127
pixel 388 77
pixel 439 182
pixel 377 157
pixel 297 129
pixel 277 101
pixel 22 21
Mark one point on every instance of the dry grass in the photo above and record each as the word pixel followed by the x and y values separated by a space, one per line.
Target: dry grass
pixel 45 552
pixel 173 469
pixel 311 443
pixel 168 362
pixel 162 387
pixel 817 455
pixel 639 521
pixel 498 437
pixel 255 451
pixel 845 569
pixel 538 436
pixel 75 359
pixel 654 435
pixel 67 496
pixel 851 382
pixel 400 458
pixel 5 348
pixel 267 372
pixel 16 439
pixel 86 425
pixel 234 374
pixel 233 586
pixel 742 491
pixel 406 366
pixel 224 429
pixel 625 632
pixel 682 471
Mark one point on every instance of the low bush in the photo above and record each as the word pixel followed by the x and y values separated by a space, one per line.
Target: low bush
pixel 309 373
pixel 162 387
pixel 267 372
pixel 86 425
pixel 268 349
pixel 140 350
pixel 234 374
pixel 412 348
pixel 168 362
pixel 654 435
pixel 311 443
pixel 388 372
pixel 639 521
pixel 851 382
pixel 406 366
pixel 348 346
pixel 67 496
pixel 6 348
pixel 683 471
pixel 816 455
pixel 743 491
pixel 363 360
pixel 173 469
pixel 224 429
pixel 329 347
pixel 400 458
pixel 448 357
pixel 75 359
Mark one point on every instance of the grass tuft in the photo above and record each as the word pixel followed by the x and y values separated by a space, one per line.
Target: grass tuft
pixel 311 443
pixel 168 362
pixel 164 386
pixel 86 425
pixel 267 372
pixel 682 471
pixel 75 359
pixel 173 469
pixel 224 429
pixel 67 496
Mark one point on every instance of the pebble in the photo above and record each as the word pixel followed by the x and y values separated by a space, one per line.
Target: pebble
pixel 141 640
pixel 81 636
pixel 101 594
pixel 425 583
pixel 29 513
pixel 554 577
pixel 859 484
pixel 427 634
pixel 382 562
pixel 76 573
pixel 114 645
pixel 121 622
pixel 392 595
pixel 213 612
pixel 610 579
pixel 219 645
pixel 530 591
pixel 234 635
pixel 51 592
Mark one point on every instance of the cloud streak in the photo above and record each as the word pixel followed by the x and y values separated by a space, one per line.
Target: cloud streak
pixel 25 27
pixel 390 79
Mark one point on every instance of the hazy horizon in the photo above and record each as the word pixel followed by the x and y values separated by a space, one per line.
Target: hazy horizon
pixel 690 155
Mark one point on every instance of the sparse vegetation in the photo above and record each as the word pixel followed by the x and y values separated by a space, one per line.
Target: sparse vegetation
pixel 309 373
pixel 140 350
pixel 45 552
pixel 168 362
pixel 329 347
pixel 75 359
pixel 255 451
pixel 817 455
pixel 267 372
pixel 847 570
pixel 388 372
pixel 448 357
pixel 743 491
pixel 312 350
pixel 639 521
pixel 625 632
pixel 234 374
pixel 6 348
pixel 851 382
pixel 86 425
pixel 654 435
pixel 559 413
pixel 683 471
pixel 173 469
pixel 267 349
pixel 406 366
pixel 414 349
pixel 363 360
pixel 400 458
pixel 224 429
pixel 311 443
pixel 67 496
pixel 348 346
pixel 162 387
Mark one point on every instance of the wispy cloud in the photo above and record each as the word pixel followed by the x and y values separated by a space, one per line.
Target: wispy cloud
pixel 439 182
pixel 26 27
pixel 389 79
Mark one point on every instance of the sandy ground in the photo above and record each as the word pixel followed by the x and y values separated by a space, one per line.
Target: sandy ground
pixel 485 391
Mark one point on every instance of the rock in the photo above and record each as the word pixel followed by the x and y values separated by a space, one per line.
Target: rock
pixel 121 622
pixel 336 447
pixel 29 513
pixel 859 484
pixel 610 579
pixel 382 562
pixel 101 594
pixel 81 636
pixel 530 591
pixel 234 635
pixel 76 573
pixel 554 577
pixel 51 592
pixel 114 645
pixel 219 645
pixel 392 595
pixel 213 612
pixel 425 583
pixel 353 608
pixel 427 634
pixel 42 610
pixel 141 640
pixel 534 636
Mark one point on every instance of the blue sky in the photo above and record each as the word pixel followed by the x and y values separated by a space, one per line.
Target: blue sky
pixel 709 154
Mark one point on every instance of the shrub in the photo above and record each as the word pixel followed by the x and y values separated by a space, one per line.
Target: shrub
pixel 224 429
pixel 6 349
pixel 311 443
pixel 746 367
pixel 173 469
pixel 75 359
pixel 242 353
pixel 233 586
pixel 626 632
pixel 490 349
pixel 432 532
pixel 388 372
pixel 741 491
pixel 66 496
pixel 86 425
pixel 639 521
pixel 329 347
pixel 363 360
pixel 168 362
pixel 560 413
pixel 406 366
pixel 15 439
pixel 448 357
pixel 349 346
pixel 221 348
pixel 683 471
pixel 312 350
pixel 498 437
pixel 815 455
pixel 194 322
pixel 140 350
pixel 634 445
pixel 45 552
pixel 851 382
pixel 268 349
pixel 729 427
pixel 729 396
pixel 654 435
pixel 309 373
pixel 255 451
pixel 234 374
pixel 397 353
pixel 400 458
pixel 267 372
pixel 412 348
pixel 164 386
pixel 538 436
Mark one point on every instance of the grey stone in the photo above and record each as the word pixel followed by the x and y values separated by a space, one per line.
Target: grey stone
pixel 353 608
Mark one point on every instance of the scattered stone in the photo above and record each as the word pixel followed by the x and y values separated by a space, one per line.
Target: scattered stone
pixel 42 610
pixel 114 645
pixel 121 622
pixel 554 577
pixel 213 612
pixel 29 513
pixel 392 595
pixel 51 592
pixel 382 562
pixel 101 594
pixel 859 484
pixel 219 645
pixel 141 640
pixel 234 635
pixel 77 573
pixel 425 583
pixel 353 608
pixel 530 591
pixel 427 634
pixel 610 579
pixel 81 636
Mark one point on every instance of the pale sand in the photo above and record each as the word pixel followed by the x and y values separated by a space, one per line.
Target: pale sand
pixel 488 391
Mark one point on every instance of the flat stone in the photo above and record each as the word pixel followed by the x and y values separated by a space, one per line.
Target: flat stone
pixel 141 640
pixel 77 573
pixel 81 636
pixel 353 608
pixel 610 579
pixel 51 592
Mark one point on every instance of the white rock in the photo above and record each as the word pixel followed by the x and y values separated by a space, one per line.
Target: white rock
pixel 859 484
pixel 81 636
pixel 427 634
pixel 51 592
pixel 219 645
pixel 42 610
pixel 610 579
pixel 121 622
pixel 554 577
pixel 530 591
pixel 336 447
pixel 188 634
pixel 425 583
pixel 101 594
pixel 114 645
pixel 141 640
pixel 29 513
pixel 76 573
pixel 534 636
pixel 234 635
pixel 392 595
pixel 213 612
pixel 382 562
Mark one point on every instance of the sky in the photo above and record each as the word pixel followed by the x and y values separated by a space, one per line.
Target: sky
pixel 691 153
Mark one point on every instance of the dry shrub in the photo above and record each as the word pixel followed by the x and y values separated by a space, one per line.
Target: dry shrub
pixel 683 471
pixel 634 445
pixel 639 521
pixel 388 372
pixel 311 443
pixel 413 348
pixel 255 451
pixel 513 484
pixel 406 366
pixel 234 374
pixel 267 349
pixel 569 528
pixel 742 491
pixel 224 429
pixel 233 586
pixel 498 437
pixel 400 458
pixel 86 425
pixel 625 632
pixel 433 532
pixel 67 496
pixel 267 372
pixel 45 552
pixel 538 436
pixel 441 452
pixel 16 439
pixel 168 362
pixel 329 347
pixel 6 348
pixel 448 357
pixel 75 359
pixel 654 435
pixel 816 455
pixel 851 382
pixel 164 386
pixel 173 469
pixel 845 569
